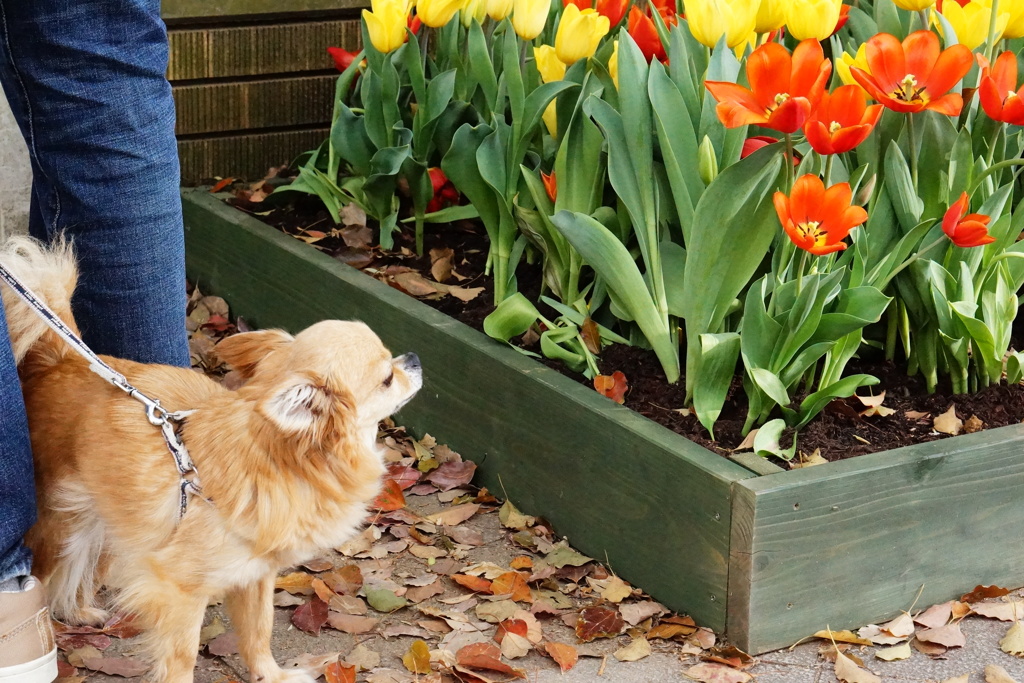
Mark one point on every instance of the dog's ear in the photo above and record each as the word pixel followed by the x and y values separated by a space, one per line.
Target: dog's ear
pixel 244 351
pixel 304 405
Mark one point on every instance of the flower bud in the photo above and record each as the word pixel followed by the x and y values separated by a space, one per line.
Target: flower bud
pixel 707 161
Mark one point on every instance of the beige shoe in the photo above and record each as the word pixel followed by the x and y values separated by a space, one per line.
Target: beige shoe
pixel 27 650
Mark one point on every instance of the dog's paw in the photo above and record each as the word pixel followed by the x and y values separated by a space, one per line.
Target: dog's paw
pixel 86 616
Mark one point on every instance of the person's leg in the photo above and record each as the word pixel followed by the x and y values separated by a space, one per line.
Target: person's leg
pixel 86 80
pixel 17 488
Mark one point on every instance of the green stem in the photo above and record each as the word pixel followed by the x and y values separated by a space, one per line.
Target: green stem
pixel 913 149
pixel 419 232
pixel 789 162
pixel 992 144
pixel 828 169
pixel 923 16
pixel 891 330
pixel 800 273
pixel 910 260
pixel 424 46
pixel 995 168
pixel 990 44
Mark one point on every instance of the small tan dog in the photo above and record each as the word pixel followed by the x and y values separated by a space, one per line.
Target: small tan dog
pixel 289 463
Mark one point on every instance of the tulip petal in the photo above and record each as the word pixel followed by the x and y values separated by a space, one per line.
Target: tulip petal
pixel 1013 110
pixel 808 64
pixel 921 50
pixel 805 198
pixel 789 116
pixel 1005 72
pixel 950 104
pixel 818 137
pixel 740 103
pixel 950 68
pixel 886 61
pixel 768 71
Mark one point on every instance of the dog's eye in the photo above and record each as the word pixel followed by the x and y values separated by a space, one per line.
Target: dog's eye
pixel 389 380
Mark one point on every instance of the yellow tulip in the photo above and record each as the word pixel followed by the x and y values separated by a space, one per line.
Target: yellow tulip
pixel 812 18
pixel 551 68
pixel 846 61
pixel 970 22
pixel 437 13
pixel 913 5
pixel 771 16
pixel 579 32
pixel 750 42
pixel 386 23
pixel 529 17
pixel 473 9
pixel 613 64
pixel 1013 10
pixel 709 20
pixel 550 118
pixel 499 9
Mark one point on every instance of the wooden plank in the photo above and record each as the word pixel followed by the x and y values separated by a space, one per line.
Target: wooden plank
pixel 243 156
pixel 853 542
pixel 741 560
pixel 623 488
pixel 755 463
pixel 270 103
pixel 211 9
pixel 227 52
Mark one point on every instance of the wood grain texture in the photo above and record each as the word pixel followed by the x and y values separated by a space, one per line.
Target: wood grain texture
pixel 852 542
pixel 622 487
pixel 246 156
pixel 755 463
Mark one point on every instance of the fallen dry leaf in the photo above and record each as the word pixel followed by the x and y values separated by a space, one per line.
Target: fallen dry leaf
pixel 849 672
pixel 564 655
pixel 842 637
pixel 485 656
pixel 418 594
pixel 451 475
pixel 806 460
pixel 948 422
pixel 973 424
pixel 1004 611
pixel 598 622
pixel 116 666
pixel 983 593
pixel 873 406
pixel 892 654
pixel 441 263
pixel 936 615
pixel 363 658
pixel 311 617
pixel 315 665
pixel 350 623
pixel 454 516
pixel 1013 642
pixel 223 645
pixel 512 584
pixel 615 590
pixel 959 679
pixel 613 386
pixel 930 649
pixel 417 658
pixel 296 583
pixel 634 613
pixel 511 518
pixel 338 672
pixel 477 584
pixel 635 651
pixel 384 600
pixel 514 646
pixel 390 497
pixel 949 635
pixel 997 674
pixel 711 672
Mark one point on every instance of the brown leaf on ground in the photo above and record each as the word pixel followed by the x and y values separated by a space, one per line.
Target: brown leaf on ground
pixel 948 422
pixel 74 641
pixel 711 672
pixel 842 637
pixel 1013 642
pixel 322 590
pixel 598 622
pixel 78 656
pixel 451 475
pixel 390 497
pixel 417 658
pixel 522 562
pixel 635 651
pixel 936 615
pixel 223 645
pixel 406 476
pixel 949 635
pixel 347 580
pixel 477 584
pixel 896 653
pixel 454 516
pixel 670 631
pixel 849 672
pixel 211 631
pixel 311 617
pixel 512 584
pixel 930 649
pixel 900 627
pixel 351 623
pixel 121 626
pixel 984 593
pixel 296 583
pixel 116 666
pixel 315 665
pixel 418 594
pixel 347 604
pixel 363 658
pixel 511 518
pixel 591 335
pixel 973 424
pixel 485 656
pixel 516 626
pixel 338 672
pixel 959 679
pixel 634 613
pixel 564 655
pixel 514 646
pixel 613 386
pixel 997 674
pixel 318 565
pixel 441 263
pixel 873 406
pixel 1004 611
pixel 613 589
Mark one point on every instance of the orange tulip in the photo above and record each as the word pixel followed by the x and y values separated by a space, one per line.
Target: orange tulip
pixel 963 229
pixel 816 219
pixel 550 185
pixel 784 88
pixel 841 121
pixel 914 75
pixel 667 10
pixel 643 31
pixel 613 9
pixel 998 91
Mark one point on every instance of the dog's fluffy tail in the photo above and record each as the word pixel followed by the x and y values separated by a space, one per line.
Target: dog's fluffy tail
pixel 50 272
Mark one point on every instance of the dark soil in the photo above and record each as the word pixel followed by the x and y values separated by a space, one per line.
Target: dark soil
pixel 838 432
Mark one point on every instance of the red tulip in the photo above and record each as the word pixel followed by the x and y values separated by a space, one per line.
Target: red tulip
pixel 844 16
pixel 613 9
pixel 342 58
pixel 642 29
pixel 783 90
pixel 841 121
pixel 963 229
pixel 816 219
pixel 998 92
pixel 914 75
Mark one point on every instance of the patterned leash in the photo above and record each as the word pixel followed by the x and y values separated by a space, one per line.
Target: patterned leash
pixel 168 422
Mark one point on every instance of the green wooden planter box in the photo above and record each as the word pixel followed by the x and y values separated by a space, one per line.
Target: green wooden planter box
pixel 769 556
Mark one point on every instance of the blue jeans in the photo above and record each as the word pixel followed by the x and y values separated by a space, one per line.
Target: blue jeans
pixel 86 81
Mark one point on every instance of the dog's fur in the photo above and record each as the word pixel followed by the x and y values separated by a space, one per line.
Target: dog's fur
pixel 289 463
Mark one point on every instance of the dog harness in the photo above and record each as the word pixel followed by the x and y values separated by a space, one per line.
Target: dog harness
pixel 168 422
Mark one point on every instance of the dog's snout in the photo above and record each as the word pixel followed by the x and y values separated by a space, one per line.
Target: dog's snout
pixel 411 361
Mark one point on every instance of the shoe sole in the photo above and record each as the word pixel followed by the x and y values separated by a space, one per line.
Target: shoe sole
pixel 42 670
